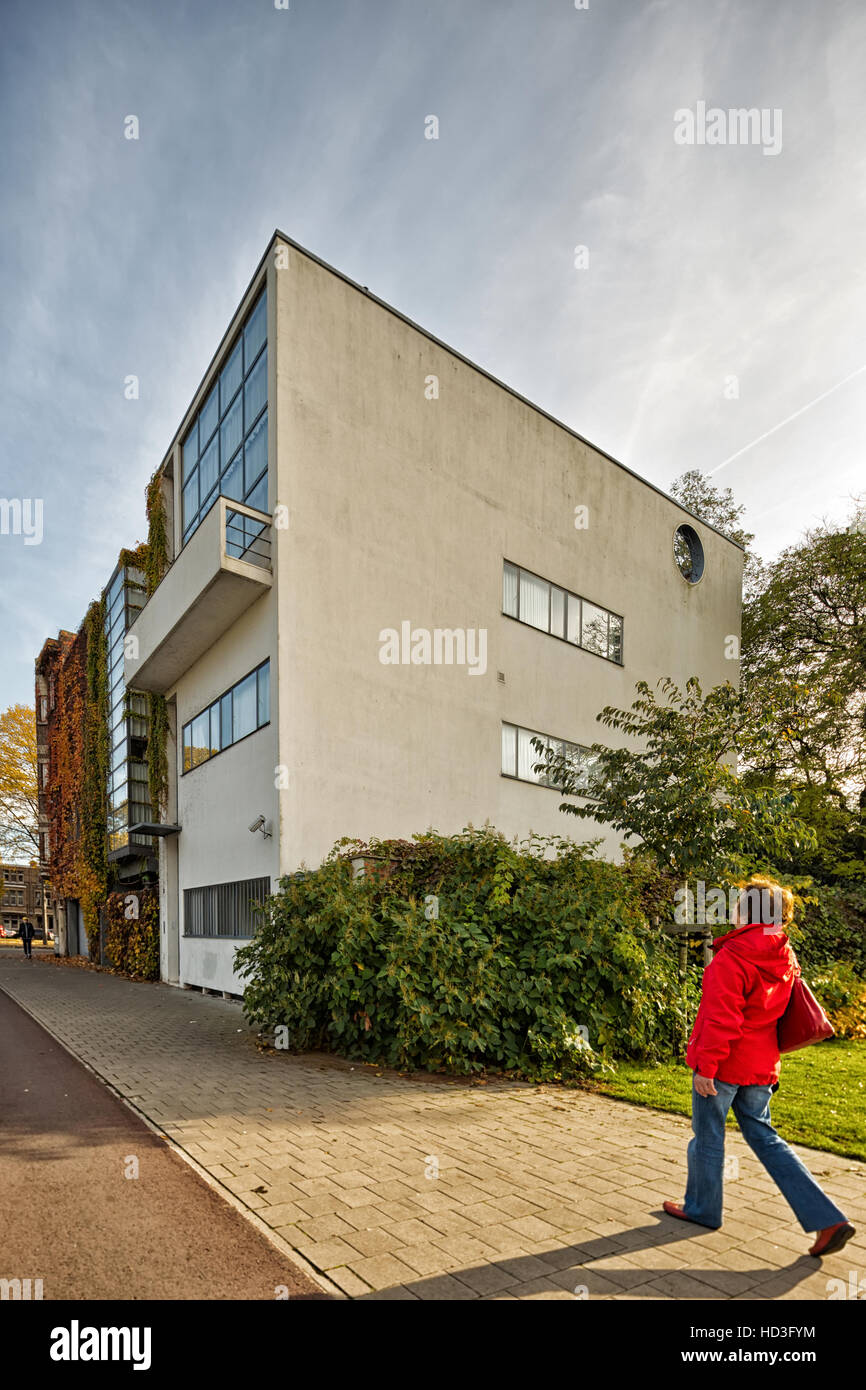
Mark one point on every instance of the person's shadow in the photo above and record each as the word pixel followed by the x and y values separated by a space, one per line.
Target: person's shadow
pixel 569 1266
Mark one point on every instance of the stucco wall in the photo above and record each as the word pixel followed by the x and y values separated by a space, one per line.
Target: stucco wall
pixel 217 801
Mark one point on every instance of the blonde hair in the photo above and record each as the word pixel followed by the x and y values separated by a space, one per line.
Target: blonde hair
pixel 763 900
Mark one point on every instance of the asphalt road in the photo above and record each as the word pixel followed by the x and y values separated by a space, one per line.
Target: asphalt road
pixel 70 1216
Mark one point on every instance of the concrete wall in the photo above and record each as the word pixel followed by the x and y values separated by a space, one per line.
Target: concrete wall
pixel 403 508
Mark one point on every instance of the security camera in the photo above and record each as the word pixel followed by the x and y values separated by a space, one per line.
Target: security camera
pixel 258 824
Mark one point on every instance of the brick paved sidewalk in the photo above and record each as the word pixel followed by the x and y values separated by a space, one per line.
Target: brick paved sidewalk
pixel 540 1191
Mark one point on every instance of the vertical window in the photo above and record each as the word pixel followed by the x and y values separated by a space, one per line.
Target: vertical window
pixel 209 417
pixel 255 454
pixel 226 720
pixel 510 575
pixel 256 390
pixel 244 708
pixel 255 332
pixel 557 612
pixel 509 750
pixel 593 633
pixel 200 738
pixel 534 601
pixel 232 429
pixel 190 450
pixel 526 755
pixel 264 695
pixel 614 638
pixel 231 377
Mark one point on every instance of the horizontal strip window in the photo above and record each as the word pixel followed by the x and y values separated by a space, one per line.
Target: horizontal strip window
pixel 224 909
pixel 242 710
pixel 541 604
pixel 519 757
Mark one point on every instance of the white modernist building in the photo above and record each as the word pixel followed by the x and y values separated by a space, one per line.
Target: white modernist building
pixel 388 572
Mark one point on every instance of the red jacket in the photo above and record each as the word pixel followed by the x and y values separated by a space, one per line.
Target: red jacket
pixel 746 990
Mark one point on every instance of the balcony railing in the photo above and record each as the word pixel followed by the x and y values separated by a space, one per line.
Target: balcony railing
pixel 247 538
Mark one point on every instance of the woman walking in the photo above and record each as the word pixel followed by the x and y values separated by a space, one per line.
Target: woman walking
pixel 734 1054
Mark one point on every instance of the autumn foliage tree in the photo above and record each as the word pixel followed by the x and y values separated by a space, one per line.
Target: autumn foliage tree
pixel 19 785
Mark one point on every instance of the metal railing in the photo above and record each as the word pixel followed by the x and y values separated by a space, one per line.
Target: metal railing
pixel 248 538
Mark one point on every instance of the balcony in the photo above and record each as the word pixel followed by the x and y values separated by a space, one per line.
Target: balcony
pixel 223 568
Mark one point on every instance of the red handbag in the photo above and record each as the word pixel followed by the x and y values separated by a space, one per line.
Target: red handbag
pixel 804 1021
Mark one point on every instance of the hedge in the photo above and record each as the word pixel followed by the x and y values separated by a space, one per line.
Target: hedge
pixel 468 952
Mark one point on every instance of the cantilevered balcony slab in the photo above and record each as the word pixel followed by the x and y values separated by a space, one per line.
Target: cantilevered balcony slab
pixel 223 568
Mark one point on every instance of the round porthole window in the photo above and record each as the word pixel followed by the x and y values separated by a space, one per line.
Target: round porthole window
pixel 689 553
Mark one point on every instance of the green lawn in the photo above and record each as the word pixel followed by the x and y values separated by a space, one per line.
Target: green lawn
pixel 821 1101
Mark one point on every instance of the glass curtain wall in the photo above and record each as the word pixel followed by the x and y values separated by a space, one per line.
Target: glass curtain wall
pixel 128 793
pixel 225 452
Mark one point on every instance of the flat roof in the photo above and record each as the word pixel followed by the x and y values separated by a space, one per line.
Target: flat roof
pixel 389 308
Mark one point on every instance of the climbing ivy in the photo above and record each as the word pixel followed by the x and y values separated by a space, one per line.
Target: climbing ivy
pixel 157 757
pixel 132 932
pixel 155 566
pixel 78 771
pixel 157 560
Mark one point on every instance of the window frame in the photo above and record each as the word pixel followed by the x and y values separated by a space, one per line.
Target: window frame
pixel 217 705
pixel 534 733
pixel 569 598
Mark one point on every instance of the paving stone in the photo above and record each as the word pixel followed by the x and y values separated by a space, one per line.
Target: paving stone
pixel 409 1232
pixel 349 1282
pixel 424 1258
pixel 533 1228
pixel 326 1254
pixel 442 1287
pixel 324 1227
pixel 284 1214
pixel 486 1279
pixel 377 1241
pixel 380 1271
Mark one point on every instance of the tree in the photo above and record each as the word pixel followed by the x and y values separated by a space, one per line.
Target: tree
pixel 19 785
pixel 678 792
pixel 718 508
pixel 803 674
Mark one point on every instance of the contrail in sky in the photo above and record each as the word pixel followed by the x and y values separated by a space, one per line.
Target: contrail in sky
pixel 782 423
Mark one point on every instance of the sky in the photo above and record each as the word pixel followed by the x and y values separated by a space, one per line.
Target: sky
pixel 712 320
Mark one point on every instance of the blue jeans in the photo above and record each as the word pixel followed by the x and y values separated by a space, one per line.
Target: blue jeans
pixel 706 1158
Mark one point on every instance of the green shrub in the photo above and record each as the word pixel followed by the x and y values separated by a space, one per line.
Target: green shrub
pixel 522 950
pixel 831 926
pixel 843 995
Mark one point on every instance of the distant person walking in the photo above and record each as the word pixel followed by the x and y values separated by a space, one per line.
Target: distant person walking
pixel 734 1054
pixel 27 934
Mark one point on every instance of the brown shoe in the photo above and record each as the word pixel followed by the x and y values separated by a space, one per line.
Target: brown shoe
pixel 673 1209
pixel 832 1238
